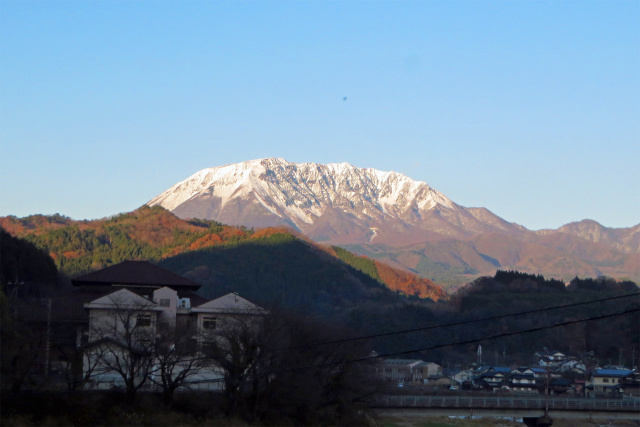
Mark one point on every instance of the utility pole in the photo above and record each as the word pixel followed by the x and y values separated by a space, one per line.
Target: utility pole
pixel 48 344
pixel 620 362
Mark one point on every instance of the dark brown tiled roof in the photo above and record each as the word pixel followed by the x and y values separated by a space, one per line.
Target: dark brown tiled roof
pixel 136 273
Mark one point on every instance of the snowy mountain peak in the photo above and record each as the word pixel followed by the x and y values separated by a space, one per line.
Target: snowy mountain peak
pixel 301 192
pixel 335 199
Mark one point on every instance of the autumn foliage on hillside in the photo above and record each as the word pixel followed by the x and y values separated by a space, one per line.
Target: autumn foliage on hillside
pixel 34 224
pixel 153 233
pixel 397 280
pixel 144 234
pixel 408 283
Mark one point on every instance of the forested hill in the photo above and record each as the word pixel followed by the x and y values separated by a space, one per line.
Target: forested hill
pixel 155 234
pixel 25 268
pixel 613 338
pixel 275 267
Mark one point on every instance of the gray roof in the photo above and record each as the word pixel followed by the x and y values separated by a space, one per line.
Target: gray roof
pixel 229 303
pixel 402 361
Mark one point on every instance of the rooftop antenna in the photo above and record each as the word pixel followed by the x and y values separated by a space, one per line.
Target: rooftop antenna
pixel 620 362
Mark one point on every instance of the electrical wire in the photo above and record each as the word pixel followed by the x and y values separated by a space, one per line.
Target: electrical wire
pixel 433 347
pixel 470 341
pixel 446 325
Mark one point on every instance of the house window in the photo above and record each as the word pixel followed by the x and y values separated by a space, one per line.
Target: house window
pixel 165 302
pixel 143 320
pixel 209 322
pixel 605 380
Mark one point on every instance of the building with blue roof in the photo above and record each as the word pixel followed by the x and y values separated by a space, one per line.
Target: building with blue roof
pixel 605 380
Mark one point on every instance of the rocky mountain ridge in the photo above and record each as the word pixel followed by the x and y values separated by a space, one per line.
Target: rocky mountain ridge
pixel 391 217
pixel 326 202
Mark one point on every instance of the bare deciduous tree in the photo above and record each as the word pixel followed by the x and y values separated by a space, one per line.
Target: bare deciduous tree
pixel 236 345
pixel 23 340
pixel 276 361
pixel 315 376
pixel 122 341
pixel 176 359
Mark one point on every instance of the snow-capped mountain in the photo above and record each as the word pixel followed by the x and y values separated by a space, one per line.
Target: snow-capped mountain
pixel 335 202
pixel 393 218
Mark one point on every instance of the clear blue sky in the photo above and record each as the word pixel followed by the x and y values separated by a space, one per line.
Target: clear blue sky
pixel 528 108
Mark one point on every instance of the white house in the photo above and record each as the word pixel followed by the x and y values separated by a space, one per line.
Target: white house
pixel 125 329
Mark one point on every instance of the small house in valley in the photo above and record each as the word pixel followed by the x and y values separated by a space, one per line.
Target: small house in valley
pixel 607 380
pixel 410 371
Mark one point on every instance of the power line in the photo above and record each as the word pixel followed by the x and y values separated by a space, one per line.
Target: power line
pixel 463 322
pixel 399 353
pixel 471 341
